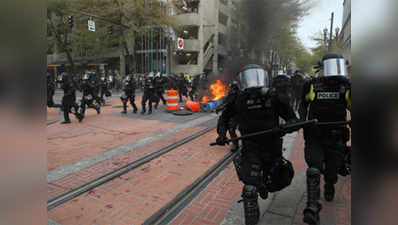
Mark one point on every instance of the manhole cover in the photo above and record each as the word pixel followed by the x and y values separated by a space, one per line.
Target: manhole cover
pixel 117 106
pixel 183 113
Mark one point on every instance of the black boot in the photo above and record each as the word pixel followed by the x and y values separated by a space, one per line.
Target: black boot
pixel 311 212
pixel 135 108
pixel 98 108
pixel 79 117
pixel 250 204
pixel 329 192
pixel 150 112
pixel 124 109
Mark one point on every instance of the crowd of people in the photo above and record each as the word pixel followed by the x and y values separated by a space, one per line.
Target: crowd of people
pixel 254 106
pixel 95 87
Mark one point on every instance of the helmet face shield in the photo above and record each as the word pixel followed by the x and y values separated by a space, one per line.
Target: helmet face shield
pixel 253 78
pixel 334 67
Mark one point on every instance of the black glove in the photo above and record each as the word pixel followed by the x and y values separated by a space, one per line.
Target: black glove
pixel 222 140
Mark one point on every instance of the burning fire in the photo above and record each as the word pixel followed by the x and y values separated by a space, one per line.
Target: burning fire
pixel 218 91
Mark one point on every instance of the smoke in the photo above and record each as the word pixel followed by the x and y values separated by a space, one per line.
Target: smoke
pixel 258 23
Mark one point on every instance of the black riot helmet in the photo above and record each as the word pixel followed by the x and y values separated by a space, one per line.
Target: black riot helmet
pixel 128 77
pixel 63 77
pixel 253 76
pixel 86 77
pixel 333 64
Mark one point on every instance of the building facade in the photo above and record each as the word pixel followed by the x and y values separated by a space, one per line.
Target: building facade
pixel 202 24
pixel 345 35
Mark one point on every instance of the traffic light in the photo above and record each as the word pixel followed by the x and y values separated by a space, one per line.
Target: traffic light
pixel 70 21
pixel 110 30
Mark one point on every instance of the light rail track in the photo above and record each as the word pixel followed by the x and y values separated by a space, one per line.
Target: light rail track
pixel 65 197
pixel 171 209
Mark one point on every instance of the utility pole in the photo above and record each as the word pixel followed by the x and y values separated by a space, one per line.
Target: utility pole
pixel 331 33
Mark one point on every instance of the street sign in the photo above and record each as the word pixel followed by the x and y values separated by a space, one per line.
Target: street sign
pixel 91 25
pixel 180 44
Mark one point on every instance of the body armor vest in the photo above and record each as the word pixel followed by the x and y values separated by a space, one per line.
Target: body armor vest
pixel 255 112
pixel 328 101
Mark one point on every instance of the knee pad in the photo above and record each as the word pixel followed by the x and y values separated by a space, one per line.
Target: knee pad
pixel 313 174
pixel 249 191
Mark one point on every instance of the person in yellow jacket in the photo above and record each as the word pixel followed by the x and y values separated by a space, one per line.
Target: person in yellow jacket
pixel 325 98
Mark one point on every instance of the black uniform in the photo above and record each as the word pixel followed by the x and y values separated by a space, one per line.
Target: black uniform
pixel 256 109
pixel 129 86
pixel 159 89
pixel 194 87
pixel 89 88
pixel 297 88
pixel 50 90
pixel 182 87
pixel 232 125
pixel 149 94
pixel 326 99
pixel 69 98
pixel 282 85
pixel 103 90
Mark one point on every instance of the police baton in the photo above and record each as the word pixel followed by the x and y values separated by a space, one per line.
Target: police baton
pixel 283 129
pixel 337 123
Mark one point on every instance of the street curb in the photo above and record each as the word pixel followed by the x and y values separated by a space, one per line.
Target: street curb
pixel 56 119
pixel 283 207
pixel 235 215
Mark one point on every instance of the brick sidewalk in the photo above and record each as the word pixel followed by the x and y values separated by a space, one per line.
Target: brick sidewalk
pixel 52 113
pixel 213 203
pixel 137 195
pixel 96 134
pixel 81 177
pixel 337 212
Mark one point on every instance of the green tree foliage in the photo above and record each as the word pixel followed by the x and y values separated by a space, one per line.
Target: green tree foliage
pixel 322 46
pixel 127 19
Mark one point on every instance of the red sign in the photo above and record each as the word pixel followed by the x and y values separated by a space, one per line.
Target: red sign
pixel 180 44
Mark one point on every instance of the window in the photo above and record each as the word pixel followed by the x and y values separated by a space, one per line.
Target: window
pixel 222 39
pixel 189 32
pixel 222 18
pixel 187 6
pixel 225 2
pixel 187 58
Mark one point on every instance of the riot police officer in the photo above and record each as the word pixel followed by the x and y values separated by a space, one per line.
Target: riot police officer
pixel 69 98
pixel 89 89
pixel 159 89
pixel 149 93
pixel 129 86
pixel 194 87
pixel 326 99
pixel 182 87
pixel 233 91
pixel 103 90
pixel 50 90
pixel 297 81
pixel 255 108
pixel 282 85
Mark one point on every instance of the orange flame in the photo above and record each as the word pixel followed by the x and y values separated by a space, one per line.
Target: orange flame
pixel 218 91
